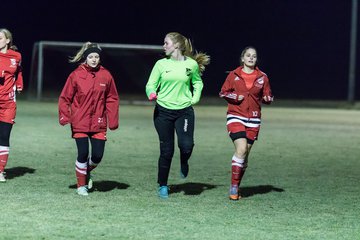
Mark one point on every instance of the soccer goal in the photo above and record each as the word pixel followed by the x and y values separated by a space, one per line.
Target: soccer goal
pixel 130 65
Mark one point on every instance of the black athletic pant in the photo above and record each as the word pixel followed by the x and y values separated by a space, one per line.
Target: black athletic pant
pixel 5 130
pixel 166 122
pixel 97 149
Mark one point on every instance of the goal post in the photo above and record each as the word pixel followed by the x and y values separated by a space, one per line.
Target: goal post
pixel 143 56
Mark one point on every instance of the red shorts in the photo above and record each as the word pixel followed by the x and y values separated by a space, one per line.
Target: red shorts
pixel 251 132
pixel 8 112
pixel 98 135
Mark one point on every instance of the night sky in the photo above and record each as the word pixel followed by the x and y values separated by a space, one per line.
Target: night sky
pixel 303 46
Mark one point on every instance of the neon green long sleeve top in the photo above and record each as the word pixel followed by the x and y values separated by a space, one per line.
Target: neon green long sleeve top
pixel 172 81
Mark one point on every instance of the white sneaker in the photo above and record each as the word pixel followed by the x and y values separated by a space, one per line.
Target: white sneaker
pixel 2 177
pixel 82 191
pixel 90 184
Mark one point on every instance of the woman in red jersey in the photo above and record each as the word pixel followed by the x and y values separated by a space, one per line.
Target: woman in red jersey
pixel 245 89
pixel 90 103
pixel 11 81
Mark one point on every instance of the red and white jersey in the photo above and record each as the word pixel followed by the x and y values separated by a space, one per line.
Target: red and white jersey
pixel 247 110
pixel 10 74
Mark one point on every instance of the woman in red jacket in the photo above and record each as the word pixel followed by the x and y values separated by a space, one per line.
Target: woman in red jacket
pixel 11 81
pixel 90 103
pixel 244 89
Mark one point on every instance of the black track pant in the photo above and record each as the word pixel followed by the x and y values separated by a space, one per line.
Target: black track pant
pixel 166 122
pixel 97 149
pixel 5 130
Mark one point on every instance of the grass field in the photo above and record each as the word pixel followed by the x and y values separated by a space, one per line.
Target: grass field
pixel 302 181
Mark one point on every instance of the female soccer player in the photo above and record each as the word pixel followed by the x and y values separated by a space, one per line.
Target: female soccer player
pixel 245 88
pixel 90 103
pixel 11 81
pixel 176 85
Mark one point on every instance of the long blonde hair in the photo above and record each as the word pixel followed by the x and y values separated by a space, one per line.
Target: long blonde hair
pixel 186 49
pixel 9 36
pixel 79 56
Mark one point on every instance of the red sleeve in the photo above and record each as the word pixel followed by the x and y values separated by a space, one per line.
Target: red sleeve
pixel 65 100
pixel 228 90
pixel 267 91
pixel 19 78
pixel 112 106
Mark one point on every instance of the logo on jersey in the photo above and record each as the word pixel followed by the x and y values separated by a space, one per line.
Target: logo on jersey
pixel 188 71
pixel 237 78
pixel 259 82
pixel 12 62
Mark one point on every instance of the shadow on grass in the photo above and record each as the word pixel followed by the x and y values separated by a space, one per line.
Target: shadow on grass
pixel 190 188
pixel 18 172
pixel 105 186
pixel 262 189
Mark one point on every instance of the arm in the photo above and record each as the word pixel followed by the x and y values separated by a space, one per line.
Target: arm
pixel 153 83
pixel 19 78
pixel 197 84
pixel 228 91
pixel 112 106
pixel 65 100
pixel 267 98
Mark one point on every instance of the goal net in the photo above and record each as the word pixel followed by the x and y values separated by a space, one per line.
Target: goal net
pixel 130 65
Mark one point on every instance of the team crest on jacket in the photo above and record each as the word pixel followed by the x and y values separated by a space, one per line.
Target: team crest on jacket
pixel 259 82
pixel 188 71
pixel 12 62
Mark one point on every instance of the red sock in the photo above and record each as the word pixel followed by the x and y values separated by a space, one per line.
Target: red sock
pixel 80 170
pixel 236 175
pixel 237 170
pixel 4 155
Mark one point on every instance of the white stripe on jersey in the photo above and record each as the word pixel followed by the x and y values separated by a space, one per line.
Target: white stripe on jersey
pixel 248 122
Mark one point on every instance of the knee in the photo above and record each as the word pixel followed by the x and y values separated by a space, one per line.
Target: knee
pixel 241 151
pixel 186 148
pixel 166 150
pixel 82 157
pixel 96 157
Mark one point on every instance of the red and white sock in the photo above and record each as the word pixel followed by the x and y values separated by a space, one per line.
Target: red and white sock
pixel 237 170
pixel 80 169
pixel 4 155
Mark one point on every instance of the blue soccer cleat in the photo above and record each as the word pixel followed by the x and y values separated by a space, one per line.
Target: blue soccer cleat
pixel 234 193
pixel 163 192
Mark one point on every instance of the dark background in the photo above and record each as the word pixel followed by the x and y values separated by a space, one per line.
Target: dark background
pixel 303 46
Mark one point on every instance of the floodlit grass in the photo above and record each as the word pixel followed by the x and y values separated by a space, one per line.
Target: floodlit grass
pixel 302 181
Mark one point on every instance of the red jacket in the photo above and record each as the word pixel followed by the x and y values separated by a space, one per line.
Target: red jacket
pixel 89 100
pixel 10 74
pixel 250 106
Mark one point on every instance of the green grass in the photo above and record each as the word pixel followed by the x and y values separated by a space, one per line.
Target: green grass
pixel 302 181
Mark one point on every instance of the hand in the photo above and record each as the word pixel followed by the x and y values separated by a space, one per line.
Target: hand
pixel 63 121
pixel 268 98
pixel 240 97
pixel 152 96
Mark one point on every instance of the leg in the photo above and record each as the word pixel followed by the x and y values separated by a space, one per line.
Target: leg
pixel 97 152
pixel 165 128
pixel 237 163
pixel 81 162
pixel 185 126
pixel 5 130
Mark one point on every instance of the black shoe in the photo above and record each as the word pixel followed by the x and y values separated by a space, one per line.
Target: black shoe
pixel 184 171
